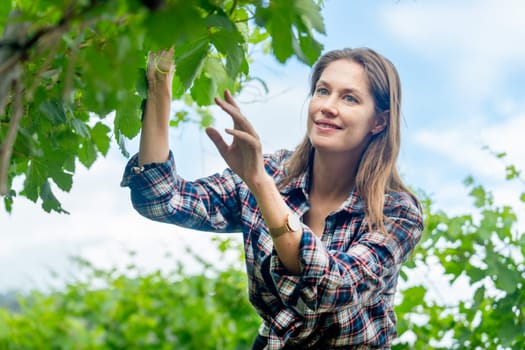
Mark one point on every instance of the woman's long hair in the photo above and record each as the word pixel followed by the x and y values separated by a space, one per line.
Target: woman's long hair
pixel 377 172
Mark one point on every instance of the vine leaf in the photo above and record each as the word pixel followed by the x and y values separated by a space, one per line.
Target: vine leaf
pixel 190 61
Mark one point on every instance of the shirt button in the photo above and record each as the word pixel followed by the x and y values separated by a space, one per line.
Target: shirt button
pixel 137 170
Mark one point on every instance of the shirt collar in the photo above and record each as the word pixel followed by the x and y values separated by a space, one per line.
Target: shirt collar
pixel 301 182
pixel 353 203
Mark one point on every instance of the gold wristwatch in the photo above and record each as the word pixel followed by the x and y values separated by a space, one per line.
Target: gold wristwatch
pixel 292 223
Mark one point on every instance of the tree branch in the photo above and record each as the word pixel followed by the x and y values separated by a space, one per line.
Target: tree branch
pixel 15 52
pixel 10 63
pixel 6 149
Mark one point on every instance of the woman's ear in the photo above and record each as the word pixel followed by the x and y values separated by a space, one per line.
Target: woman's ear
pixel 380 122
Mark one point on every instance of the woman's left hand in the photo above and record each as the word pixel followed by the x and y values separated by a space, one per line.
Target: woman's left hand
pixel 244 154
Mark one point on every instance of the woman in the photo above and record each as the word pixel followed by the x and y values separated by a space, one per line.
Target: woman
pixel 326 227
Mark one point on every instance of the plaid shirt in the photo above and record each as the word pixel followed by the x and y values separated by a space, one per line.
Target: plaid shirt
pixel 344 296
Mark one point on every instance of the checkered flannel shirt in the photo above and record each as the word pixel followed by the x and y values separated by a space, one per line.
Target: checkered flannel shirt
pixel 345 292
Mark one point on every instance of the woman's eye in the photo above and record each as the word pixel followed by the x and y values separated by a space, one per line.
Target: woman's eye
pixel 322 91
pixel 350 98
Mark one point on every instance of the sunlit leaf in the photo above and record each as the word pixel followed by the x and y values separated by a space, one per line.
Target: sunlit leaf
pixel 54 110
pixel 512 172
pixel 80 127
pixel 99 135
pixel 128 117
pixel 49 201
pixel 180 117
pixel 97 62
pixel 203 90
pixel 62 179
pixel 190 61
pixel 309 13
pixel 5 9
pixel 35 178
pixel 87 154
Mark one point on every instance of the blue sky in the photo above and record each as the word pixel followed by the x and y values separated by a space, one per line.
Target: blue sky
pixel 462 66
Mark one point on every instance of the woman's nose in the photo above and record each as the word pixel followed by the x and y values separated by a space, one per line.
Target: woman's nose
pixel 329 107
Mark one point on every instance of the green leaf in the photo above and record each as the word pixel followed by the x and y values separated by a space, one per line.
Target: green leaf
pixel 99 135
pixel 180 117
pixel 508 330
pixel 221 21
pixel 142 83
pixel 310 49
pixel 206 117
pixel 80 128
pixel 63 180
pixel 403 275
pixel 190 60
pixel 281 31
pixel 501 155
pixel 511 172
pixel 228 41
pixel 34 180
pixel 5 9
pixel 287 21
pixel 177 88
pixel 258 36
pixel 216 71
pixel 49 201
pixel 507 280
pixel 54 110
pixel 468 181
pixel 87 154
pixel 411 297
pixel 8 202
pixel 180 23
pixel 310 14
pixel 522 197
pixel 230 44
pixel 121 142
pixel 476 274
pixel 481 197
pixel 127 118
pixel 479 296
pixel 25 144
pixel 203 90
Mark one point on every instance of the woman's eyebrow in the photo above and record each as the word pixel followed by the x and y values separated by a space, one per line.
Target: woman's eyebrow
pixel 344 90
pixel 351 91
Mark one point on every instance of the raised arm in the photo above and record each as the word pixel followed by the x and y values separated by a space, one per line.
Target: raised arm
pixel 157 191
pixel 154 144
pixel 244 156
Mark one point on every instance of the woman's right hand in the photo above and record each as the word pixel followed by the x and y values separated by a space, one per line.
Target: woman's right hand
pixel 244 154
pixel 160 70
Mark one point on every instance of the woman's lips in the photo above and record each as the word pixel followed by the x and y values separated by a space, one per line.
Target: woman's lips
pixel 327 126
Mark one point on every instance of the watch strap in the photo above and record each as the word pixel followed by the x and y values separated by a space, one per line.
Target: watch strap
pixel 288 226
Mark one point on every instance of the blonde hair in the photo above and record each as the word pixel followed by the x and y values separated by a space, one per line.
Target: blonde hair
pixel 377 172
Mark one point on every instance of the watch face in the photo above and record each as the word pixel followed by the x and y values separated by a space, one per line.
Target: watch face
pixel 294 222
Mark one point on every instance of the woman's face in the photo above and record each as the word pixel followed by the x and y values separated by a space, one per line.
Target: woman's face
pixel 341 113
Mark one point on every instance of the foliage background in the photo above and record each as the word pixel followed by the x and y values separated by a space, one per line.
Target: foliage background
pixel 482 246
pixel 135 310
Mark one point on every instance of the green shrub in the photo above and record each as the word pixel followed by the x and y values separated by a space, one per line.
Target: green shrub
pixel 112 310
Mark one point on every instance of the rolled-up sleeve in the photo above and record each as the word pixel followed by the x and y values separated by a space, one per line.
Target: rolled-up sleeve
pixel 332 279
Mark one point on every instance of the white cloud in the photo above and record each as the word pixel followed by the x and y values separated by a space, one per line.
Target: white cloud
pixel 465 146
pixel 102 228
pixel 464 149
pixel 480 40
